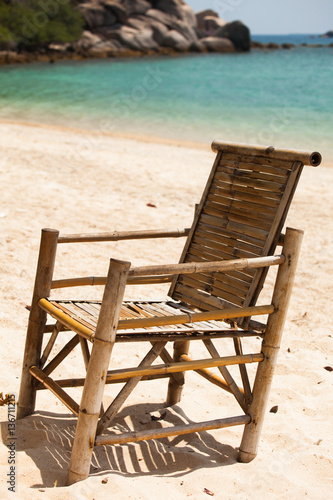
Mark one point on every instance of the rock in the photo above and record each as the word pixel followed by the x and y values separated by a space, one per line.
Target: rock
pixel 159 31
pixel 212 24
pixel 12 57
pixel 173 23
pixel 237 32
pixel 95 15
pixel 257 45
pixel 60 48
pixel 161 17
pixel 272 45
pixel 288 45
pixel 328 34
pixel 217 44
pixel 136 7
pixel 171 7
pixel 117 9
pixel 189 16
pixel 141 40
pixel 103 49
pixel 201 15
pixel 87 40
pixel 176 41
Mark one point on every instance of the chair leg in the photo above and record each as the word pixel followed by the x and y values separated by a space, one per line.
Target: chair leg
pixel 175 388
pixel 270 346
pixel 37 320
pixel 97 370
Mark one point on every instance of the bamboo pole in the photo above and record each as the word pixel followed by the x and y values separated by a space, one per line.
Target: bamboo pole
pixel 37 321
pixel 175 387
pixel 167 358
pixel 130 385
pixel 180 319
pixel 183 366
pixel 85 351
pixel 50 384
pixel 210 376
pixel 306 157
pixel 79 382
pixel 123 235
pixel 61 355
pixel 206 267
pixel 234 389
pixel 270 346
pixel 97 370
pixel 66 320
pixel 101 280
pixel 243 372
pixel 50 344
pixel 170 431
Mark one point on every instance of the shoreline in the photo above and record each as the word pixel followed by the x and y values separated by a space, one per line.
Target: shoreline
pixel 95 135
pixel 12 57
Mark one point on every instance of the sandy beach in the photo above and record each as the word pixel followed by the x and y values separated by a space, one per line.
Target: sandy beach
pixel 78 181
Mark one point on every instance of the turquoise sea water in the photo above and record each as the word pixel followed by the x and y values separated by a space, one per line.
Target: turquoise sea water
pixel 282 97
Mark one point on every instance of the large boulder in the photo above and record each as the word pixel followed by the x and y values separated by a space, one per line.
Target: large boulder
pixel 172 7
pixel 141 40
pixel 189 16
pixel 95 15
pixel 237 32
pixel 115 8
pixel 162 17
pixel 216 44
pixel 87 41
pixel 213 23
pixel 201 15
pixel 176 41
pixel 134 7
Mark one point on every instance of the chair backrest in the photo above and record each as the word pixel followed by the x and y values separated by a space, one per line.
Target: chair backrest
pixel 241 215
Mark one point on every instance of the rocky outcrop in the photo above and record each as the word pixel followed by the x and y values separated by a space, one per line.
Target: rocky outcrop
pixel 237 33
pixel 157 26
pixel 328 34
pixel 139 27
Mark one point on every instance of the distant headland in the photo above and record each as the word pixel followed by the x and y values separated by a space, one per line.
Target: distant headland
pixel 31 30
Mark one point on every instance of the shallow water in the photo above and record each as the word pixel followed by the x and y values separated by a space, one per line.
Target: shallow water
pixel 281 97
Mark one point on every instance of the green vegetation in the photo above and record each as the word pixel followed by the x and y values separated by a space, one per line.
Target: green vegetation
pixel 34 23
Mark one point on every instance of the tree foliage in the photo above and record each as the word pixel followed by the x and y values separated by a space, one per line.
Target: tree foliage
pixel 33 23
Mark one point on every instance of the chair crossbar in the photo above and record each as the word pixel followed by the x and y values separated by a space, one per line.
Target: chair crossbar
pixel 165 369
pixel 171 431
pixel 52 385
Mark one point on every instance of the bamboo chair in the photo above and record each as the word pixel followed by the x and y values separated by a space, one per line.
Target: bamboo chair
pixel 213 295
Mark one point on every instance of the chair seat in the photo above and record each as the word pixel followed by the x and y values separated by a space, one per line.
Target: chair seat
pixel 86 313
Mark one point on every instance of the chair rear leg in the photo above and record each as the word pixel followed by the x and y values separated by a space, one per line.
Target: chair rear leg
pixel 37 321
pixel 97 371
pixel 175 388
pixel 270 346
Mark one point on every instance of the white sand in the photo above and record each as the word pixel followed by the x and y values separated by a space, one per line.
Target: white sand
pixel 80 182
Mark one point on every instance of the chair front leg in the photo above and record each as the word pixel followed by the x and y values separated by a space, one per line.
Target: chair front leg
pixel 270 346
pixel 97 371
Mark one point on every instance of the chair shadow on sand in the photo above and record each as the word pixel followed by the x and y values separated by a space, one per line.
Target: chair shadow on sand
pixel 47 438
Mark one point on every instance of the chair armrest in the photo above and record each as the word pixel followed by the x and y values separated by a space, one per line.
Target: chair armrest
pixel 124 235
pixel 204 267
pixel 163 273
